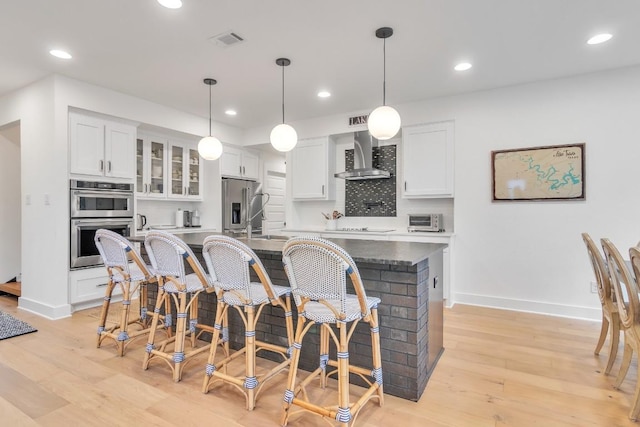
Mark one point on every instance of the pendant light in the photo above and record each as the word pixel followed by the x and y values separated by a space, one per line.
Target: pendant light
pixel 384 121
pixel 210 147
pixel 283 137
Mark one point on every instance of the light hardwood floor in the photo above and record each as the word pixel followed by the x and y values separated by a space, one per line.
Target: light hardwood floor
pixel 499 368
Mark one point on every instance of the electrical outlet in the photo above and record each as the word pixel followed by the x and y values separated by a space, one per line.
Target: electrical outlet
pixel 594 288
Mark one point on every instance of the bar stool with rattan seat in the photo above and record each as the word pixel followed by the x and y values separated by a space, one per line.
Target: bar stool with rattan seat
pixel 317 270
pixel 228 261
pixel 610 318
pixel 626 292
pixel 169 256
pixel 126 269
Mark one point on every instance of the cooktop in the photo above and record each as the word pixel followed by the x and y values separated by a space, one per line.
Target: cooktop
pixel 365 229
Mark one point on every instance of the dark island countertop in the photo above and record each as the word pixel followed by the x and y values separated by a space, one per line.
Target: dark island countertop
pixel 370 251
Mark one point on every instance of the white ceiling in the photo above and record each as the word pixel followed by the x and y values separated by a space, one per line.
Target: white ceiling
pixel 140 48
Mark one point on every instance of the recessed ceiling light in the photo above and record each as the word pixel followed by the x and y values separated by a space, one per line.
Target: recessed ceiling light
pixel 463 66
pixel 60 54
pixel 599 38
pixel 171 4
pixel 324 94
pixel 231 112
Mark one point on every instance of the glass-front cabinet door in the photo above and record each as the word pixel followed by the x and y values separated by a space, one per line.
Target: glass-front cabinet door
pixel 186 172
pixel 177 188
pixel 195 180
pixel 151 154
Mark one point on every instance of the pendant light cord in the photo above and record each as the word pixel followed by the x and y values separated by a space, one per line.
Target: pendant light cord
pixel 384 71
pixel 209 110
pixel 282 94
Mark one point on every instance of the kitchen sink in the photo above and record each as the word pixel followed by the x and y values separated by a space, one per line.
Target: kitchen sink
pixel 270 237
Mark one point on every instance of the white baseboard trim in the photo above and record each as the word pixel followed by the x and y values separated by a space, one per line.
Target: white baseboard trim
pixel 551 309
pixel 44 310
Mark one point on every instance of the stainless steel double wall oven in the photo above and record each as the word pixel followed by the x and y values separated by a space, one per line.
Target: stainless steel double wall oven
pixel 95 205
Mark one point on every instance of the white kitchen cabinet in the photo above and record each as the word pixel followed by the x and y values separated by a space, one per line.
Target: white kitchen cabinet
pixel 185 171
pixel 88 285
pixel 236 162
pixel 151 167
pixel 312 169
pixel 100 147
pixel 427 155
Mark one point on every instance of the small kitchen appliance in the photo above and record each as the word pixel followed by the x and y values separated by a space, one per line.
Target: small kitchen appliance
pixel 426 222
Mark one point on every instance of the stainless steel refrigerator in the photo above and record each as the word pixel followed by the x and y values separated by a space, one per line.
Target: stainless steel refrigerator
pixel 241 201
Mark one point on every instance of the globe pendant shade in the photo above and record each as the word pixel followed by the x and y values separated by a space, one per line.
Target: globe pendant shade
pixel 283 137
pixel 384 122
pixel 210 148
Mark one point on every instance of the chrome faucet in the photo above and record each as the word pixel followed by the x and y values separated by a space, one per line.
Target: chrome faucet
pixel 261 211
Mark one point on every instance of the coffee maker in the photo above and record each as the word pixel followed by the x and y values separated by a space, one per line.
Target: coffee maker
pixel 188 216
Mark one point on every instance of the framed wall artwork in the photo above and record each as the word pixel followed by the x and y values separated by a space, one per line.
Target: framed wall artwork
pixel 539 173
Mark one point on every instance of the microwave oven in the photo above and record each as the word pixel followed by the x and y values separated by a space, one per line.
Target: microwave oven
pixel 426 222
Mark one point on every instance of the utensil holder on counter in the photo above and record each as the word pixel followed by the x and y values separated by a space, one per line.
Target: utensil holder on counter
pixel 332 224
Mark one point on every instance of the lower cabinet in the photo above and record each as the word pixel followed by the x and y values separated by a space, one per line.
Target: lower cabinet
pixel 87 287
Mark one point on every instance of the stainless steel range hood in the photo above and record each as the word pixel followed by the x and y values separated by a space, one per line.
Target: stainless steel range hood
pixel 363 144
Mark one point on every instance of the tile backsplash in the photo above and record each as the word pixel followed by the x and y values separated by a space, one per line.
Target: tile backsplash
pixel 373 197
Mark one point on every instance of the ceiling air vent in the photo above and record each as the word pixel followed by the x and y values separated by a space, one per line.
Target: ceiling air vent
pixel 226 39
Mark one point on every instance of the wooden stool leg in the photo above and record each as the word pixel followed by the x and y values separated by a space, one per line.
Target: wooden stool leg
pixel 344 413
pixel 160 301
pixel 324 354
pixel 143 297
pixel 168 321
pixel 377 358
pixel 293 369
pixel 215 338
pixel 225 336
pixel 193 320
pixel 250 381
pixel 181 330
pixel 106 303
pixel 123 335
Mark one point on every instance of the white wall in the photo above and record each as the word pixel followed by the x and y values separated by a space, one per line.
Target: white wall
pixel 529 255
pixel 10 209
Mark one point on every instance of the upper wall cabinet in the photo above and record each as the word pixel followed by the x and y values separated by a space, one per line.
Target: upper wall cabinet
pixel 238 163
pixel 312 169
pixel 428 160
pixel 185 171
pixel 151 166
pixel 101 147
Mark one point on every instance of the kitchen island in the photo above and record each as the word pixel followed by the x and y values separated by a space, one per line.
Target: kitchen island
pixel 406 276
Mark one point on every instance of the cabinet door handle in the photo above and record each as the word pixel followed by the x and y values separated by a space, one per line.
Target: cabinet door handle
pixel 323 189
pixel 244 171
pixel 240 167
pixel 405 186
pixel 108 165
pixel 101 165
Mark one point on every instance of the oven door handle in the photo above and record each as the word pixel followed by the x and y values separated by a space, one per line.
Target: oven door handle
pixel 104 194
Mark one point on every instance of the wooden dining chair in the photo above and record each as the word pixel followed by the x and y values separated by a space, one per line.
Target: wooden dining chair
pixel 610 318
pixel 626 292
